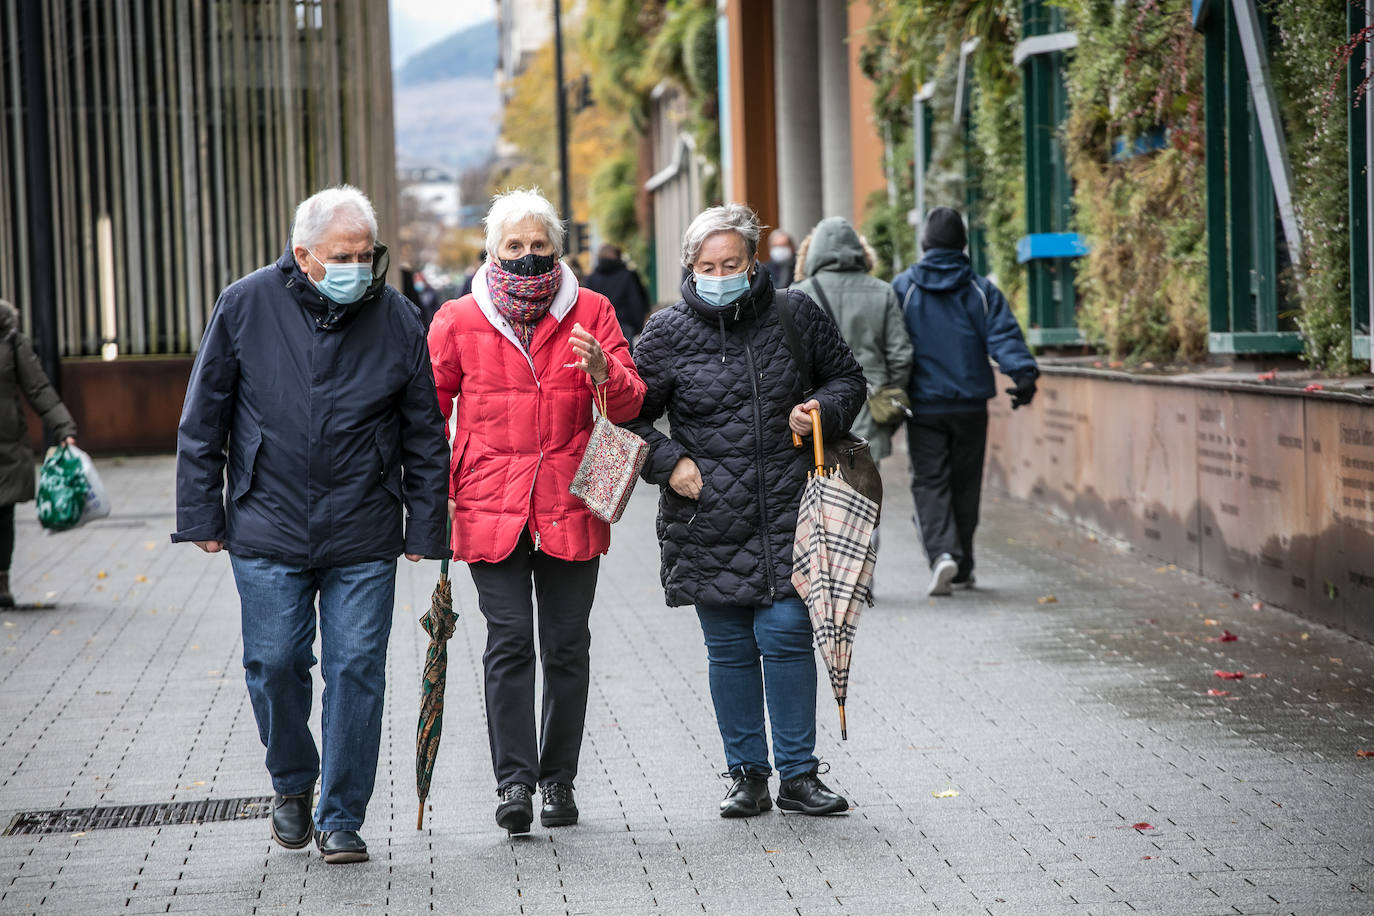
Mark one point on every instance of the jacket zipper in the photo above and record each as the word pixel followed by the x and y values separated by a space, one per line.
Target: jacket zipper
pixel 758 457
pixel 540 463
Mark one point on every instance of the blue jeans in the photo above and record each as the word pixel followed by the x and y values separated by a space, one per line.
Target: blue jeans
pixel 278 604
pixel 778 635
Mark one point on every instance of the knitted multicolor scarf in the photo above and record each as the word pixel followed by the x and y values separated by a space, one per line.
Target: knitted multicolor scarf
pixel 523 300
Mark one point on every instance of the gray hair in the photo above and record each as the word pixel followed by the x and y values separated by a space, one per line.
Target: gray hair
pixel 516 206
pixel 729 218
pixel 343 204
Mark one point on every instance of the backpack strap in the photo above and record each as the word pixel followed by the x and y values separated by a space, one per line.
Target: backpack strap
pixel 794 342
pixel 820 297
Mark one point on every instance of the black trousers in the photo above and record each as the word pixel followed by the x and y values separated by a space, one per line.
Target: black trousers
pixel 6 537
pixel 947 481
pixel 564 590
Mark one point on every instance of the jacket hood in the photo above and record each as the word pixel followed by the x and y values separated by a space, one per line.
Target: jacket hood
pixel 328 313
pixel 751 305
pixel 835 246
pixel 9 318
pixel 941 269
pixel 608 265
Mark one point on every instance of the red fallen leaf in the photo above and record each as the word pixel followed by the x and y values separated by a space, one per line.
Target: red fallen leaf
pixel 1229 675
pixel 1147 621
pixel 1147 857
pixel 1226 636
pixel 1313 387
pixel 1144 825
pixel 1269 376
pixel 1218 693
pixel 1235 595
pixel 1364 754
pixel 1097 364
pixel 1257 606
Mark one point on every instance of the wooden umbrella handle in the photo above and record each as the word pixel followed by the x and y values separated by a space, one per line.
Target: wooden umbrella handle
pixel 817 445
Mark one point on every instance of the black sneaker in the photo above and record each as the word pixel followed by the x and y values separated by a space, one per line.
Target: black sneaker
pixel 808 795
pixel 748 794
pixel 516 809
pixel 6 598
pixel 292 825
pixel 339 847
pixel 560 810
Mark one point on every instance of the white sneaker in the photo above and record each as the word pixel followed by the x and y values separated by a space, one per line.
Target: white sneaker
pixel 942 574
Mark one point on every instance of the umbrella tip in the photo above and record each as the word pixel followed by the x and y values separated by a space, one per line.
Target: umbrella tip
pixel 420 819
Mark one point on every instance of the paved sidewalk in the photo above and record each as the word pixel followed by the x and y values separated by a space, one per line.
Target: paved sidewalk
pixel 1045 744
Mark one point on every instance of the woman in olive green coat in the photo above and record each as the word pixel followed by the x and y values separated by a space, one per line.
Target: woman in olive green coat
pixel 833 267
pixel 20 372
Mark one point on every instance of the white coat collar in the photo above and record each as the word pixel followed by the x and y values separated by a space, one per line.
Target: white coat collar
pixel 563 300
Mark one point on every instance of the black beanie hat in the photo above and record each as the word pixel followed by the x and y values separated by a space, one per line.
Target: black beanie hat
pixel 944 228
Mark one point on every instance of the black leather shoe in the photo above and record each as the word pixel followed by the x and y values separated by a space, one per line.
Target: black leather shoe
pixel 515 810
pixel 808 795
pixel 748 795
pixel 292 824
pixel 560 809
pixel 340 847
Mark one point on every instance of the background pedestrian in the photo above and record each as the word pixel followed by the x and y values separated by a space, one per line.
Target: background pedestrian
pixel 618 283
pixel 21 373
pixel 782 258
pixel 833 268
pixel 315 376
pixel 956 320
pixel 731 482
pixel 516 363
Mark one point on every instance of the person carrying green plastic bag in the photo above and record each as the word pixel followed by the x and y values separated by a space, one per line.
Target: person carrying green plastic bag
pixel 20 373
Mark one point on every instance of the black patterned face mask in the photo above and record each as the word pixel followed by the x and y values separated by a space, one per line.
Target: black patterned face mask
pixel 531 265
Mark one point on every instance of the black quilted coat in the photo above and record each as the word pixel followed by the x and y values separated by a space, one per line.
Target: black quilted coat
pixel 728 383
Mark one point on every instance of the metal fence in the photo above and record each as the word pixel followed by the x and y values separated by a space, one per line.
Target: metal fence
pixel 191 129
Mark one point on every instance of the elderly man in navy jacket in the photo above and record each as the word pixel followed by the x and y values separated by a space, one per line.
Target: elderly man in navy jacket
pixel 956 320
pixel 314 379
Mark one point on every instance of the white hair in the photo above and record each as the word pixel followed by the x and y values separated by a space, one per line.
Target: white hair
pixel 511 207
pixel 344 205
pixel 729 218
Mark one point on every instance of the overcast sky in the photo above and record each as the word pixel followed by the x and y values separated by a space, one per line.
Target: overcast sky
pixel 417 23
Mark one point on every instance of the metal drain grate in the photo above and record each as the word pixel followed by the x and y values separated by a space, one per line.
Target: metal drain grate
pixel 114 817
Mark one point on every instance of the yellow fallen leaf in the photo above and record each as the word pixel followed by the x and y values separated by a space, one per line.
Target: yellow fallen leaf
pixel 948 793
pixel 1047 599
pixel 56 631
pixel 77 836
pixel 50 595
pixel 1161 569
pixel 1093 538
pixel 140 578
pixel 9 624
pixel 1306 636
pixel 101 575
pixel 150 545
pixel 1208 622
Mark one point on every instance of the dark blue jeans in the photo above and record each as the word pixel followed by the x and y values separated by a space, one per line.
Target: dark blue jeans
pixel 355 606
pixel 758 651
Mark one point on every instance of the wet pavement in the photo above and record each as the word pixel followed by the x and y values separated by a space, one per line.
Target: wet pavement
pixel 1056 741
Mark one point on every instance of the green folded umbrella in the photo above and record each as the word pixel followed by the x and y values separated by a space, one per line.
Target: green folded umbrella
pixel 439 622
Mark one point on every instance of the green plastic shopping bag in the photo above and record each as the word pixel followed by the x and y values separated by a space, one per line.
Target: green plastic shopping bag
pixel 62 490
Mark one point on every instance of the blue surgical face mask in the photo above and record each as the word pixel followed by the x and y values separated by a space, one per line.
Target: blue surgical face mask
pixel 722 292
pixel 343 283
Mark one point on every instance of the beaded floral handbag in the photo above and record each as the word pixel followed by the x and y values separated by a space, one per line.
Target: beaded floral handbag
pixel 610 466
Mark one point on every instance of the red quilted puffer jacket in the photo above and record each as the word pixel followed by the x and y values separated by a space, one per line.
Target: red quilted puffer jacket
pixel 523 421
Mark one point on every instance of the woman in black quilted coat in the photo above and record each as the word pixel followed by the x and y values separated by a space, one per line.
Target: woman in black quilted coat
pixel 731 481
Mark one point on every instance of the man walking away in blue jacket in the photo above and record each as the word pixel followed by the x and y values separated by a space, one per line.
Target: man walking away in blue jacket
pixel 314 377
pixel 956 320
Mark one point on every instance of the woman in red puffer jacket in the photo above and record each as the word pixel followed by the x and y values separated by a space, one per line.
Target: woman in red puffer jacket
pixel 518 360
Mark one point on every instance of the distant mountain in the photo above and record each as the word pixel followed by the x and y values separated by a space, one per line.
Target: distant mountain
pixel 469 53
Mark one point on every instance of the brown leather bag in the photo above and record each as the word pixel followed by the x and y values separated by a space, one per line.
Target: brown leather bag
pixel 850 452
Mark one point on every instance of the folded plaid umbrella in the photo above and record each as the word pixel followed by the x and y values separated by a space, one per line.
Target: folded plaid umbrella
pixel 832 563
pixel 439 622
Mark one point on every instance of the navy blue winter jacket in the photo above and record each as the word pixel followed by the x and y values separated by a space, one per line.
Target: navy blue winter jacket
pixel 956 320
pixel 330 421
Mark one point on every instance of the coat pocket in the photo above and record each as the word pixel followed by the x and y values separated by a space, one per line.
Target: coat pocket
pixel 389 449
pixel 455 464
pixel 243 457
